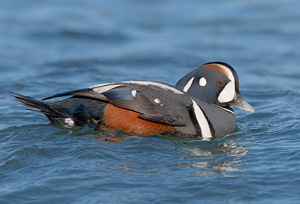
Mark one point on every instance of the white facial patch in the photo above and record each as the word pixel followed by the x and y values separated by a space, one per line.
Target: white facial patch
pixel 133 93
pixel 202 121
pixel 188 85
pixel 228 92
pixel 202 81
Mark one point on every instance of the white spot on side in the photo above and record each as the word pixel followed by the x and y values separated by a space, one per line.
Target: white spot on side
pixel 69 121
pixel 228 92
pixel 202 81
pixel 153 83
pixel 133 93
pixel 202 121
pixel 156 100
pixel 188 85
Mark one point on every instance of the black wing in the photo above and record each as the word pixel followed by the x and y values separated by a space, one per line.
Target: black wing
pixel 152 102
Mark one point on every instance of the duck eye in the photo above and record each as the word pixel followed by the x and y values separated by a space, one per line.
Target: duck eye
pixel 220 83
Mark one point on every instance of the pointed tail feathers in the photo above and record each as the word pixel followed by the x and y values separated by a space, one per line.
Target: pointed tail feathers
pixel 35 104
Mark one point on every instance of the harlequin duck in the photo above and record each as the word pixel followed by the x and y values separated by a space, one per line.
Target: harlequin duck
pixel 197 106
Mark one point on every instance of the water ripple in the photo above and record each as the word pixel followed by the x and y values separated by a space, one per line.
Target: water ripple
pixel 73 35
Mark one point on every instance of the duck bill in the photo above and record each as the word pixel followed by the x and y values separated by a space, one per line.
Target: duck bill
pixel 241 103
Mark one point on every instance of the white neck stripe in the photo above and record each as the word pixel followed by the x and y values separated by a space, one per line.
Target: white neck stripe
pixel 202 121
pixel 225 109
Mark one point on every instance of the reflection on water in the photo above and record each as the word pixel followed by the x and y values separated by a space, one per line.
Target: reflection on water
pixel 207 159
pixel 215 159
pixel 134 155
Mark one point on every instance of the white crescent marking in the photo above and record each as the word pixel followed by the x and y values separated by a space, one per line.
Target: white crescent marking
pixel 188 85
pixel 228 92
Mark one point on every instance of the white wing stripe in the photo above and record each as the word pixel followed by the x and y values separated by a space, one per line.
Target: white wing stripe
pixel 106 87
pixel 153 83
pixel 101 88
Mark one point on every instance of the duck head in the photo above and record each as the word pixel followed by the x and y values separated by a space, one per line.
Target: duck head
pixel 216 83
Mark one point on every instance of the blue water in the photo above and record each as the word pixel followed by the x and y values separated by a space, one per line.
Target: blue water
pixel 48 47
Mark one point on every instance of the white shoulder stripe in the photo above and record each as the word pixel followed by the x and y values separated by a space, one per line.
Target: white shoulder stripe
pixel 202 121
